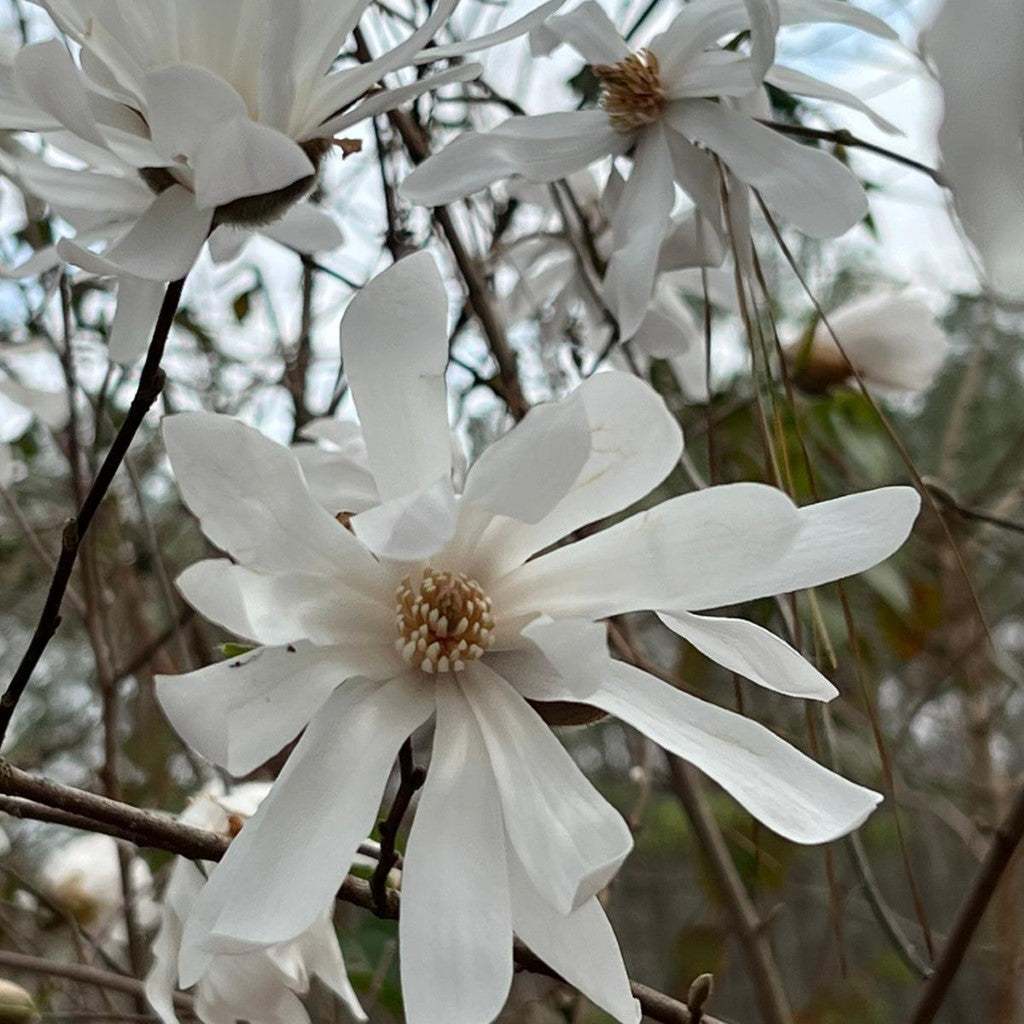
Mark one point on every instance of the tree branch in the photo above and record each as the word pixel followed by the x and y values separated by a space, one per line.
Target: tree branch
pixel 160 831
pixel 151 382
pixel 1007 838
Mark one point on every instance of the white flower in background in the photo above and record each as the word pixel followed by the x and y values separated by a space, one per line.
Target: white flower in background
pixel 225 112
pixel 84 878
pixel 429 606
pixel 262 986
pixel 101 203
pixel 892 340
pixel 658 104
pixel 978 52
pixel 49 407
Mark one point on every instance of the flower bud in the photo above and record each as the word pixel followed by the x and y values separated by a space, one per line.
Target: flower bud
pixel 16 1005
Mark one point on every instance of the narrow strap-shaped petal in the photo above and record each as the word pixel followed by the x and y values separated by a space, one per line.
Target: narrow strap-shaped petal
pixel 240 712
pixel 455 930
pixel 570 840
pixel 252 501
pixel 539 149
pixel 806 85
pixel 807 186
pixel 634 443
pixel 513 30
pixel 161 245
pixel 394 346
pixel 306 229
pixel 589 31
pixel 580 946
pixel 529 470
pixel 781 787
pixel 692 551
pixel 642 219
pixel 138 306
pixel 754 653
pixel 298 846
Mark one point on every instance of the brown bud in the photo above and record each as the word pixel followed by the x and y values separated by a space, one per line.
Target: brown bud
pixel 700 992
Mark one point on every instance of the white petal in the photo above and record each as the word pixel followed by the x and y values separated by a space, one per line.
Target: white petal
pixel 834 539
pixel 893 340
pixel 635 442
pixel 410 528
pixel 227 242
pixel 580 946
pixel 319 954
pixel 669 328
pixel 336 481
pixel 978 59
pixel 781 787
pixel 455 930
pixel 241 711
pixel 46 73
pixel 807 186
pixel 643 217
pixel 306 229
pixel 243 158
pixel 754 653
pixel 590 32
pixel 51 407
pixel 161 245
pixel 394 346
pixel 138 306
pixel 284 607
pixel 804 85
pixel 714 73
pixel 577 646
pixel 184 103
pixel 252 501
pixel 513 30
pixel 685 552
pixel 539 149
pixel 340 90
pixel 387 99
pixel 570 840
pixel 529 471
pixel 297 848
pixel 764 26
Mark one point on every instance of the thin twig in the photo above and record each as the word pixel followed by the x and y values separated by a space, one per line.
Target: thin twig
pixel 842 137
pixel 1004 844
pixel 747 924
pixel 411 779
pixel 160 831
pixel 151 382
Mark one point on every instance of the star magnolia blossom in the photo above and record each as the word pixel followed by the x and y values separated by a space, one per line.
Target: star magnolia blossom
pixel 659 105
pixel 429 606
pixel 84 877
pixel 891 340
pixel 978 51
pixel 223 111
pixel 262 986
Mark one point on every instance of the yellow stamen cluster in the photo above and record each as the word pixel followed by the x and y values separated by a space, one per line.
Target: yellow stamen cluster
pixel 631 91
pixel 444 622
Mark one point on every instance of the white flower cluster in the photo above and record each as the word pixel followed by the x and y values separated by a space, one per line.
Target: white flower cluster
pixel 385 588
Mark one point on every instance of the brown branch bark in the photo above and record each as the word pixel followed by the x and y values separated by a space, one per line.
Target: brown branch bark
pixel 151 382
pixel 771 996
pixel 1007 838
pixel 80 809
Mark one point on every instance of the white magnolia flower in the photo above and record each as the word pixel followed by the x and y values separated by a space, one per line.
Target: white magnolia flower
pixel 225 111
pixel 262 986
pixel 102 203
pixel 429 606
pixel 892 340
pixel 978 51
pixel 659 105
pixel 84 878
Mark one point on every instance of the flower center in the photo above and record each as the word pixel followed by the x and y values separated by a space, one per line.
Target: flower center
pixel 631 91
pixel 444 623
